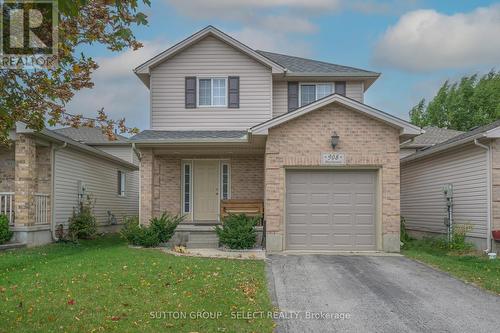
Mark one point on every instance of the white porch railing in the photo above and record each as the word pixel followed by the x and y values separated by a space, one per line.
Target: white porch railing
pixel 7 205
pixel 41 208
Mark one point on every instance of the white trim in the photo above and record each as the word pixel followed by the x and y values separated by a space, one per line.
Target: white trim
pixel 183 202
pixel 404 126
pixel 211 78
pixel 222 163
pixel 315 84
pixel 210 30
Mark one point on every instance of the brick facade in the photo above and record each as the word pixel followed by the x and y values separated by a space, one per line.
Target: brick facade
pixel 25 180
pixel 366 142
pixel 161 192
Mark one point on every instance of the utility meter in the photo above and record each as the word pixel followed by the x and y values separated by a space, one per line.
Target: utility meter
pixel 448 191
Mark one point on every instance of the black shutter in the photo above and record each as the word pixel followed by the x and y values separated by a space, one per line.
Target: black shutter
pixel 340 87
pixel 293 96
pixel 119 189
pixel 190 92
pixel 233 92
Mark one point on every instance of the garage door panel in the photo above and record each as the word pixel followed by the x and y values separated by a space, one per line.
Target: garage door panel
pixel 330 210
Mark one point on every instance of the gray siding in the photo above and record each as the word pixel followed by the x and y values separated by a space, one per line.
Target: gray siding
pixel 100 176
pixel 354 90
pixel 403 152
pixel 124 152
pixel 422 199
pixel 209 57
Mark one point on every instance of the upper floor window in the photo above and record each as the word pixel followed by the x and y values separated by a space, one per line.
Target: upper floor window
pixel 212 92
pixel 310 92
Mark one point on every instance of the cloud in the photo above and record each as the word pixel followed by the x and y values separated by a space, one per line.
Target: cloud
pixel 425 40
pixel 274 41
pixel 117 89
pixel 287 23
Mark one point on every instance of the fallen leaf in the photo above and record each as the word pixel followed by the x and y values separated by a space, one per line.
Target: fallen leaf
pixel 71 302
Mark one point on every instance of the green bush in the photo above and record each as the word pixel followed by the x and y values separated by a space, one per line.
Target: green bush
pixel 5 233
pixel 238 231
pixel 82 224
pixel 404 236
pixel 160 230
pixel 165 225
pixel 458 242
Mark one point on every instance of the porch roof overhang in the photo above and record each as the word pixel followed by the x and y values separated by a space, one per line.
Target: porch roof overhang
pixel 158 137
pixel 406 129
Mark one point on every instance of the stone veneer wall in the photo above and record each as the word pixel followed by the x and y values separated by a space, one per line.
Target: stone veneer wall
pixel 161 181
pixel 300 142
pixel 7 169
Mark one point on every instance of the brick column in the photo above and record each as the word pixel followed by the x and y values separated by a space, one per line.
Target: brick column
pixel 25 180
pixel 146 191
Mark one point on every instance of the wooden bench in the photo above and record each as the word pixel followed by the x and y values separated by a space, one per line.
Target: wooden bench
pixel 240 206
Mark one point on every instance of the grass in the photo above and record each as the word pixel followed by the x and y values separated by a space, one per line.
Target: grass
pixel 469 266
pixel 103 285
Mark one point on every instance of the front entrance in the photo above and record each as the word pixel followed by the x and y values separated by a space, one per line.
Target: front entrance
pixel 206 190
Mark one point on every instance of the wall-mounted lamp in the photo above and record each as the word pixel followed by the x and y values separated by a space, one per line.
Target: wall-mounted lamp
pixel 335 139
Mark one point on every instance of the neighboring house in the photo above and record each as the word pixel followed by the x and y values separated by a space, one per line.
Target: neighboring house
pixel 43 175
pixel 232 123
pixel 470 162
pixel 432 136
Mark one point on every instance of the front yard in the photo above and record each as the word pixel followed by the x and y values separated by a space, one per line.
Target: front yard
pixel 472 267
pixel 103 285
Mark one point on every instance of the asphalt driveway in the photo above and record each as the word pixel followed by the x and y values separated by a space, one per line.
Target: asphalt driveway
pixel 337 293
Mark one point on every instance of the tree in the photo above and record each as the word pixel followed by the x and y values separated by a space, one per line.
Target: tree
pixel 462 105
pixel 38 97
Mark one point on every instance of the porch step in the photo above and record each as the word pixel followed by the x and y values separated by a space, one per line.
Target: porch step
pixel 195 237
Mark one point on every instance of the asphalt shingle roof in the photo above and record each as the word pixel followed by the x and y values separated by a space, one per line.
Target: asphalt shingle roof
pixel 431 137
pixel 187 135
pixel 461 137
pixel 303 65
pixel 90 136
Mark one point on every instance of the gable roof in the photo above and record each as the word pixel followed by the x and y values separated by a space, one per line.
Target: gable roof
pixel 53 136
pixel 406 129
pixel 91 136
pixel 491 130
pixel 297 66
pixel 432 136
pixel 142 71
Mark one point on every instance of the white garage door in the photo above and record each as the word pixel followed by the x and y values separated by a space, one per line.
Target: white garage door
pixel 330 210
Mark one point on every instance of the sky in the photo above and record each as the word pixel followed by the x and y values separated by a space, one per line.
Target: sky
pixel 415 44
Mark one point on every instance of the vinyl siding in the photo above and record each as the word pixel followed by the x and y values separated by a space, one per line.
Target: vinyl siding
pixel 100 176
pixel 123 152
pixel 209 57
pixel 354 90
pixel 422 200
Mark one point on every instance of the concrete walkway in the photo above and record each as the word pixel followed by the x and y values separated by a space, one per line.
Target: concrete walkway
pixel 328 293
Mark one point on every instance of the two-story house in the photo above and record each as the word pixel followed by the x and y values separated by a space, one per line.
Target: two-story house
pixel 232 123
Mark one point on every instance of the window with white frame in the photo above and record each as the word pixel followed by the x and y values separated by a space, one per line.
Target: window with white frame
pixel 186 187
pixel 121 183
pixel 310 92
pixel 225 181
pixel 212 92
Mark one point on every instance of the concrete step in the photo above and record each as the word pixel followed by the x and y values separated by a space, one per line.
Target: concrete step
pixel 202 245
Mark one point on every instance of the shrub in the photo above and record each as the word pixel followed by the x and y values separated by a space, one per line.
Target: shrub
pixel 238 231
pixel 82 224
pixel 5 233
pixel 405 237
pixel 165 225
pixel 458 242
pixel 160 230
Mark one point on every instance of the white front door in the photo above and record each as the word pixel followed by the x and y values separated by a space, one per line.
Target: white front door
pixel 206 190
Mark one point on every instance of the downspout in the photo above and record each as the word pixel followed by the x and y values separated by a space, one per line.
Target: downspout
pixel 52 190
pixel 488 192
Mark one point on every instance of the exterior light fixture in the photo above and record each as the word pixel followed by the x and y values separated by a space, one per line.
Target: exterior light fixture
pixel 335 139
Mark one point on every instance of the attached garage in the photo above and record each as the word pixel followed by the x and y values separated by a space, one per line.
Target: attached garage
pixel 331 210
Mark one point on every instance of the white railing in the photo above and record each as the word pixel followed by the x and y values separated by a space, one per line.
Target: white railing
pixel 41 208
pixel 7 205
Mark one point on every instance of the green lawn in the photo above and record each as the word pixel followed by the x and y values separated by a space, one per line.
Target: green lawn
pixel 473 267
pixel 103 285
